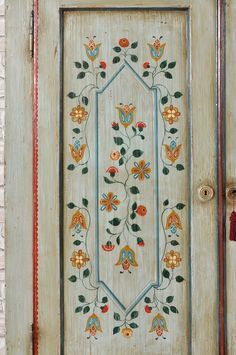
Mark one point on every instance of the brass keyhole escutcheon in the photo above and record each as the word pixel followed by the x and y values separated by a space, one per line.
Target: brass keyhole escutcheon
pixel 231 194
pixel 205 193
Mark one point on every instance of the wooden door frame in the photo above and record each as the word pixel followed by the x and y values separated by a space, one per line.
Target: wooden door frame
pixel 22 178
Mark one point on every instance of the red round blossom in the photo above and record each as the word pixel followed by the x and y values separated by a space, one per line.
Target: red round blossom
pixel 141 243
pixel 115 126
pixel 124 42
pixel 103 64
pixel 140 124
pixel 108 246
pixel 104 308
pixel 147 309
pixel 146 65
pixel 112 170
pixel 141 210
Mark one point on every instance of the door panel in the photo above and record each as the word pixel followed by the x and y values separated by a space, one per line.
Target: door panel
pixel 124 140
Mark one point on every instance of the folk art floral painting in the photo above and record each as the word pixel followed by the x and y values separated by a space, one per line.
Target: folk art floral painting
pixel 127 177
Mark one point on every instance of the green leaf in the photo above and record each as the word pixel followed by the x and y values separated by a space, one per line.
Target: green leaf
pixel 133 325
pixel 168 75
pixel 173 130
pixel 134 58
pixel 166 273
pixel 118 240
pixel 166 203
pixel 174 243
pixel 85 100
pixel 71 167
pixel 117 49
pixel 134 45
pixel 85 64
pixel 179 167
pixel 116 330
pixel 139 240
pixel 145 73
pixel 163 64
pixel 81 75
pixel 108 231
pixel 134 129
pixel 166 310
pixel 169 299
pixel 137 153
pixel 122 151
pixel 180 206
pixel 179 278
pixel 165 170
pixel 76 130
pixel 147 300
pixel 164 100
pixel 81 298
pixel 85 202
pixel 171 65
pixel 178 94
pixel 121 161
pixel 84 170
pixel 133 215
pixel 116 316
pixel 108 181
pixel 78 309
pixel 135 227
pixel 71 95
pixel 174 309
pixel 134 315
pixel 86 273
pixel 115 221
pixel 103 74
pixel 118 140
pixel 134 206
pixel 71 205
pixel 78 65
pixel 86 309
pixel 142 137
pixel 104 299
pixel 116 60
pixel 134 190
pixel 77 242
pixel 72 278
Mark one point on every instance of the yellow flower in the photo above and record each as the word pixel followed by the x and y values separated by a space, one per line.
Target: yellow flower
pixel 93 325
pixel 172 154
pixel 172 259
pixel 171 114
pixel 78 114
pixel 157 50
pixel 78 218
pixel 92 49
pixel 109 202
pixel 127 332
pixel 159 325
pixel 77 154
pixel 173 219
pixel 79 259
pixel 127 258
pixel 141 170
pixel 126 114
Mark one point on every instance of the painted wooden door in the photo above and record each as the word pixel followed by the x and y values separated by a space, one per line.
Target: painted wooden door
pixel 127 238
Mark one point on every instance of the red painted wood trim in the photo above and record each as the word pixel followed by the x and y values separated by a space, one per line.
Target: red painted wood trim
pixel 221 183
pixel 35 183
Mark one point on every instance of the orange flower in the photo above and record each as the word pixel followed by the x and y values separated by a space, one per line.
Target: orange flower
pixel 79 259
pixel 77 154
pixel 124 42
pixel 141 210
pixel 115 155
pixel 109 202
pixel 172 154
pixel 127 332
pixel 173 219
pixel 78 114
pixel 172 259
pixel 141 170
pixel 78 218
pixel 171 114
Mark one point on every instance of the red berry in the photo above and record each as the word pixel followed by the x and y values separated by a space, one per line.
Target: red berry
pixel 141 210
pixel 103 64
pixel 105 308
pixel 146 65
pixel 124 42
pixel 147 309
pixel 141 244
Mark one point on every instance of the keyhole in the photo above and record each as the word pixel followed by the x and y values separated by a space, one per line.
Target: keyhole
pixel 205 192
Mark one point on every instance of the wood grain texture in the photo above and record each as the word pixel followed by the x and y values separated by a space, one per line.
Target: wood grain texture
pixel 18 179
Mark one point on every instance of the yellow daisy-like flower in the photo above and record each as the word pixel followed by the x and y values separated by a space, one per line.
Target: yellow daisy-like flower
pixel 172 259
pixel 127 332
pixel 141 170
pixel 171 114
pixel 78 114
pixel 109 202
pixel 79 259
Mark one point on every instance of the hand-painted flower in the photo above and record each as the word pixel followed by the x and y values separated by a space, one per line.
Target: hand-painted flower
pixel 141 210
pixel 157 50
pixel 171 114
pixel 103 64
pixel 172 259
pixel 78 218
pixel 146 65
pixel 124 42
pixel 172 154
pixel 141 243
pixel 77 154
pixel 127 258
pixel 159 325
pixel 109 202
pixel 112 170
pixel 115 155
pixel 108 246
pixel 140 124
pixel 115 126
pixel 78 114
pixel 92 49
pixel 93 325
pixel 173 219
pixel 147 309
pixel 104 308
pixel 141 170
pixel 127 332
pixel 79 259
pixel 126 114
